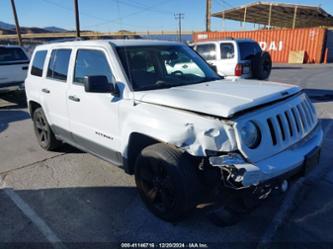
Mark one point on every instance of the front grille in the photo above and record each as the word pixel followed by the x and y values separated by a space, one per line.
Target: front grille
pixel 291 124
pixel 281 125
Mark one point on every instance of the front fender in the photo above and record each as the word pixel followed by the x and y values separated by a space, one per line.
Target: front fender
pixel 189 131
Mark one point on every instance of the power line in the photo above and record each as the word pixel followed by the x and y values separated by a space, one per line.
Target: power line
pixel 104 20
pixel 141 6
pixel 134 13
pixel 179 17
pixel 224 2
pixel 107 21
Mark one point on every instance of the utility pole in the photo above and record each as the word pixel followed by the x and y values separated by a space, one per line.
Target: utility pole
pixel 18 30
pixel 77 18
pixel 179 17
pixel 208 14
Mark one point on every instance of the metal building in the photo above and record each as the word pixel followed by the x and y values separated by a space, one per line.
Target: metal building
pixel 285 29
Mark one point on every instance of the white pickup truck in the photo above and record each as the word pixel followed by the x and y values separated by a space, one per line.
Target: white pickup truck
pixel 14 64
pixel 175 130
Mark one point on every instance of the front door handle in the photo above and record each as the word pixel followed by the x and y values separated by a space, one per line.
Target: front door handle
pixel 44 90
pixel 74 98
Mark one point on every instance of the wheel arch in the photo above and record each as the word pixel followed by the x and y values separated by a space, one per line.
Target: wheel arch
pixel 33 105
pixel 136 143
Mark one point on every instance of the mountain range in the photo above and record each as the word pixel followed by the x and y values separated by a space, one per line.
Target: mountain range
pixel 7 28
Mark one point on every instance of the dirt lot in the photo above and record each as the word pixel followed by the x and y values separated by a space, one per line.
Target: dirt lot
pixel 69 197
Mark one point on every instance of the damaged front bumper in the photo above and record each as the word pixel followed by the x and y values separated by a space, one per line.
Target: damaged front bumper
pixel 238 173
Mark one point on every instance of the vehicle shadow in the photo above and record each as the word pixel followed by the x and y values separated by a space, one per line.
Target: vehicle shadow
pixel 67 148
pixel 286 67
pixel 10 116
pixel 113 214
pixel 15 99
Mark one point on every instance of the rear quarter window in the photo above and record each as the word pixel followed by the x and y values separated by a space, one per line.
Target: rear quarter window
pixel 227 50
pixel 38 63
pixel 58 65
pixel 8 55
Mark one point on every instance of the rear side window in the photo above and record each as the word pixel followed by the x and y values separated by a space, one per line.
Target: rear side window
pixel 91 63
pixel 207 51
pixel 58 65
pixel 227 51
pixel 38 63
pixel 248 50
pixel 12 55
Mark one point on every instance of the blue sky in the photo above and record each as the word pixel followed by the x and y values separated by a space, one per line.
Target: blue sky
pixel 134 15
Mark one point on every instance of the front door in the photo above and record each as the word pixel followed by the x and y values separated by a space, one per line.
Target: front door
pixel 94 116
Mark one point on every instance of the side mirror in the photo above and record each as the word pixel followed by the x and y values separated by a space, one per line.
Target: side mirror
pixel 99 84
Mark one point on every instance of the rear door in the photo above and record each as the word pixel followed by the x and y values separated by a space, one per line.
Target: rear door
pixel 14 64
pixel 54 90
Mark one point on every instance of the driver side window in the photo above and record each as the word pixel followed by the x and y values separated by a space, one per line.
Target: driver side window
pixel 91 63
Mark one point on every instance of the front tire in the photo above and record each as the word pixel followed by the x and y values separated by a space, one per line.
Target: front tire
pixel 44 134
pixel 167 181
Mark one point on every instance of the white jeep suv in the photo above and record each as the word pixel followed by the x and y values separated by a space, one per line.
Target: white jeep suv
pixel 14 64
pixel 175 130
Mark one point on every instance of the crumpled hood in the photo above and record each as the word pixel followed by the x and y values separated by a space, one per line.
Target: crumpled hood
pixel 218 98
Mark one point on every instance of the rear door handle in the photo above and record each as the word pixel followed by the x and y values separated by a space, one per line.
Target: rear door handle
pixel 44 90
pixel 25 68
pixel 74 98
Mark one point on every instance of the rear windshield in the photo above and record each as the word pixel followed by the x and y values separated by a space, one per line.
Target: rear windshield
pixel 248 50
pixel 12 55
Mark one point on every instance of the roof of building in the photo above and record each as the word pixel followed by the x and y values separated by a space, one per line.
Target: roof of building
pixel 279 15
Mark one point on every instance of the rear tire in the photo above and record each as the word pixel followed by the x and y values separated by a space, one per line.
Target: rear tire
pixel 262 66
pixel 44 134
pixel 167 181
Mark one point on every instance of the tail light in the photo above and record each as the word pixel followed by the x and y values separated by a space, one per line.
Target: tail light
pixel 238 70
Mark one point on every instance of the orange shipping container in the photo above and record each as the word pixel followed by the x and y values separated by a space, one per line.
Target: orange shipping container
pixel 278 42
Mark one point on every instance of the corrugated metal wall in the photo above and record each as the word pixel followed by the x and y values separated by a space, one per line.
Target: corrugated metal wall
pixel 329 45
pixel 279 42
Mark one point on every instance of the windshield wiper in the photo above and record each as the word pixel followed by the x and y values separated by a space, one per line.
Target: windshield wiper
pixel 159 84
pixel 210 79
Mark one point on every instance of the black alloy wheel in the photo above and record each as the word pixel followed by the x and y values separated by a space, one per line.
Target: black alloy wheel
pixel 44 134
pixel 167 181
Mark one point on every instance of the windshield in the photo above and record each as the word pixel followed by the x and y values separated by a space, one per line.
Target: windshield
pixel 156 67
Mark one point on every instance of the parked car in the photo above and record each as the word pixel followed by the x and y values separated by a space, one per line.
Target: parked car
pixel 234 58
pixel 14 64
pixel 181 133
